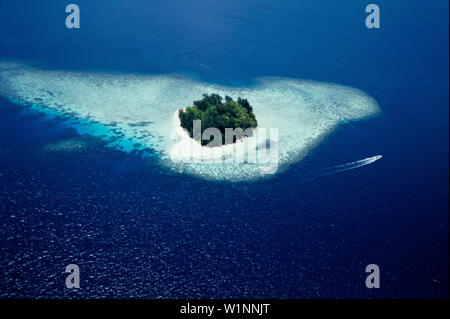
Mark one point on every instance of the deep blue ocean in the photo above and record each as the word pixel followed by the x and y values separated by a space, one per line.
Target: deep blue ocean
pixel 138 230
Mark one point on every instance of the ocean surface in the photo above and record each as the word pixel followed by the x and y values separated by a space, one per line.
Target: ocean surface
pixel 71 192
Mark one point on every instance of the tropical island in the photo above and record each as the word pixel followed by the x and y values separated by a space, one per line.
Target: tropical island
pixel 214 112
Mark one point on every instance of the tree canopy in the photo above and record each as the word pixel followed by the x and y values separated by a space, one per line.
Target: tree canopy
pixel 214 112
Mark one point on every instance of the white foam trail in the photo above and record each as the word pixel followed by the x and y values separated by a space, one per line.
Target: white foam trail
pixel 137 109
pixel 350 166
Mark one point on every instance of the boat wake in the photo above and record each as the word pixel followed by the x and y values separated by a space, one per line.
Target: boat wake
pixel 349 166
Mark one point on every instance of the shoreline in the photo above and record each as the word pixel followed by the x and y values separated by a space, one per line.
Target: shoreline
pixel 187 149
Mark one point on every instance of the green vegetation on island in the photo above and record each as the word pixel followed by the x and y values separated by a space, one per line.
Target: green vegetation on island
pixel 216 113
